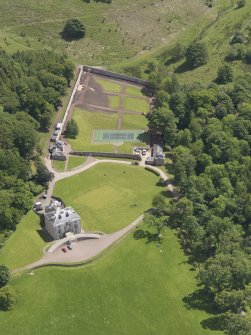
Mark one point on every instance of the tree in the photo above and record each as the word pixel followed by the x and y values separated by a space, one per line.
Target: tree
pixel 43 175
pixel 196 54
pixel 225 74
pixel 241 3
pixel 158 222
pixel 230 300
pixel 74 29
pixel 159 203
pixel 163 121
pixel 226 272
pixel 4 275
pixel 7 298
pixel 71 129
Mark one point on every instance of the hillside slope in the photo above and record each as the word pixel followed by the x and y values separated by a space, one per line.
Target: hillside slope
pixel 114 32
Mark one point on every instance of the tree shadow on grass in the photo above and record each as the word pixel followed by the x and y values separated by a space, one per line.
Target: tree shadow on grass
pixel 214 323
pixel 150 237
pixel 184 67
pixel 200 300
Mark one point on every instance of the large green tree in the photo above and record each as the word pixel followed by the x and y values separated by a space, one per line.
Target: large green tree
pixel 196 54
pixel 74 29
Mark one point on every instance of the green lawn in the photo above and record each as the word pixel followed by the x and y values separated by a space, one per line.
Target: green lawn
pixel 134 121
pixel 135 289
pixel 134 90
pixel 87 122
pixel 25 245
pixel 59 165
pixel 108 85
pixel 114 101
pixel 108 197
pixel 75 162
pixel 136 105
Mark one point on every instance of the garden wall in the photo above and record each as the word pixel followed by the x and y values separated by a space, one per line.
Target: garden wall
pixel 105 154
pixel 115 75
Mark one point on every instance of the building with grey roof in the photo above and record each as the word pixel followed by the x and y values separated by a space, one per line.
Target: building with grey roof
pixel 59 221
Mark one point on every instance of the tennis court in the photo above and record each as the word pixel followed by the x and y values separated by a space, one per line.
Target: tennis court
pixel 115 136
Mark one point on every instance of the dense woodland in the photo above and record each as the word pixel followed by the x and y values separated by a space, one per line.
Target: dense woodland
pixel 31 87
pixel 207 131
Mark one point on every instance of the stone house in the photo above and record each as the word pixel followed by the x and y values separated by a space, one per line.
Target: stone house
pixel 59 221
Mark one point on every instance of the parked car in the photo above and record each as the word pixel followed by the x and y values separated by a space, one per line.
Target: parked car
pixel 69 247
pixel 135 163
pixel 143 152
pixel 64 249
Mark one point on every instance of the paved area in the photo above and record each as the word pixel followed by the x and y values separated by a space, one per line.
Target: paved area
pixel 83 250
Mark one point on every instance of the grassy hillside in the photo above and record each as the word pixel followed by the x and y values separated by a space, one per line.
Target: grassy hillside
pixel 115 32
pixel 222 22
pixel 136 289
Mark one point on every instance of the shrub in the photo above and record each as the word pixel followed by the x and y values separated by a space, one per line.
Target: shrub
pixel 4 275
pixel 238 38
pixel 238 52
pixel 225 74
pixel 148 168
pixel 7 298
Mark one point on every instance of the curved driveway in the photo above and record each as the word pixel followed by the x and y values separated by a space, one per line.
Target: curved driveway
pixel 91 248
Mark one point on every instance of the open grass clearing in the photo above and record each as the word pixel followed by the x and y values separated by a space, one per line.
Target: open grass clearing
pixel 114 32
pixel 134 121
pixel 75 161
pixel 87 122
pixel 134 90
pixel 108 197
pixel 135 289
pixel 114 101
pixel 136 105
pixel 25 245
pixel 58 165
pixel 108 85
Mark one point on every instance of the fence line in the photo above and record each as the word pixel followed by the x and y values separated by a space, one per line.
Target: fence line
pixel 105 154
pixel 70 102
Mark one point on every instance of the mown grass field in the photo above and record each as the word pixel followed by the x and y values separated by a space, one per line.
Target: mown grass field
pixel 109 85
pixel 87 122
pixel 114 32
pixel 135 289
pixel 25 245
pixel 108 197
pixel 134 121
pixel 74 162
pixel 114 101
pixel 58 165
pixel 136 105
pixel 134 91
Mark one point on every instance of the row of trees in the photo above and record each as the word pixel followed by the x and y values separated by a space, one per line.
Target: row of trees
pixel 207 130
pixel 31 87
